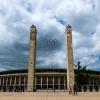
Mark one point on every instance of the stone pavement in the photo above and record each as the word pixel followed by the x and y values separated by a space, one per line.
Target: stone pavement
pixel 49 96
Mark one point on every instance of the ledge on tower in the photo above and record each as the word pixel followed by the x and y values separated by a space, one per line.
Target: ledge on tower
pixel 68 26
pixel 33 26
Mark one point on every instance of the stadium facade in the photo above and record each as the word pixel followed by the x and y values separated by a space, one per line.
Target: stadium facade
pixel 45 80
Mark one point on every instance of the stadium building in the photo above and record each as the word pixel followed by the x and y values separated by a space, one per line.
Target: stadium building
pixel 45 80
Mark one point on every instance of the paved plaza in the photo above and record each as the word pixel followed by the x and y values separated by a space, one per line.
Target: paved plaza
pixel 49 96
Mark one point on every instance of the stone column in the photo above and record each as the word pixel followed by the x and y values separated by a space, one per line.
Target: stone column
pixel 10 84
pixel 87 88
pixel 41 81
pixel 88 85
pixel 7 84
pixel 25 80
pixel 6 81
pixel 70 68
pixel 99 85
pixel 19 83
pixel 15 81
pixel 14 84
pixel 64 83
pixel 94 84
pixel 53 83
pixel 59 83
pixel 0 80
pixel 19 80
pixel 47 82
pixel 10 81
pixel 3 81
pixel 32 60
pixel 35 82
pixel 2 84
pixel 82 88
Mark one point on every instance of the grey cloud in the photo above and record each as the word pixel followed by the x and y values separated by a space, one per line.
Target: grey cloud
pixel 50 19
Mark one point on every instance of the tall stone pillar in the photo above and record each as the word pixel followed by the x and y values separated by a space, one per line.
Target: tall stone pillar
pixel 32 59
pixel 70 68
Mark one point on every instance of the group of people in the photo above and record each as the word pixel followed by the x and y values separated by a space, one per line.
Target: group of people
pixel 73 89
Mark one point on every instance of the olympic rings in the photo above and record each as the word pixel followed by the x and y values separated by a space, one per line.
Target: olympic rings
pixel 51 42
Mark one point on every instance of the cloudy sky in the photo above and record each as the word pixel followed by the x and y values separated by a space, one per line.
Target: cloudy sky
pixel 50 17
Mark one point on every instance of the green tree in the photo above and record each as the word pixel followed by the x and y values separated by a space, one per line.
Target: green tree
pixel 81 75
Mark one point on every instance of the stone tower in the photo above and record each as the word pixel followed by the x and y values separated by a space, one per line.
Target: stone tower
pixel 32 59
pixel 70 68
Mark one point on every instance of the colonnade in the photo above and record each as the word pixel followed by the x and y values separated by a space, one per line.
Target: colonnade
pixel 52 83
pixel 13 83
pixel 18 82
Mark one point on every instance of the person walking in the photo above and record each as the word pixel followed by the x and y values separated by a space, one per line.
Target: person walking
pixel 75 89
pixel 70 90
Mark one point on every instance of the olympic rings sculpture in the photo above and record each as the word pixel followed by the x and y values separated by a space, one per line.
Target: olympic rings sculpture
pixel 51 42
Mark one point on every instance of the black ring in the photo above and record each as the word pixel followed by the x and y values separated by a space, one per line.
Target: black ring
pixel 50 42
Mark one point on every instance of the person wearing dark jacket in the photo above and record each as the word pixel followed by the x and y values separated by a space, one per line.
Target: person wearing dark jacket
pixel 75 88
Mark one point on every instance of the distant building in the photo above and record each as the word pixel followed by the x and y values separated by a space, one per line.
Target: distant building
pixel 45 79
